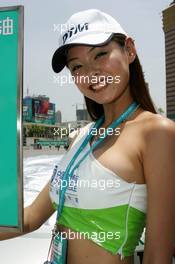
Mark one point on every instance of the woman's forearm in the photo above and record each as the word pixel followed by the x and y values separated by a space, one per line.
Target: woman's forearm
pixel 9 235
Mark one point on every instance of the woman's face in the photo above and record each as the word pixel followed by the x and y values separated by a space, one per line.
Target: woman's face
pixel 100 73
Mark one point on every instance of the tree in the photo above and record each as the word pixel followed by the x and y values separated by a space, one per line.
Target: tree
pixel 160 110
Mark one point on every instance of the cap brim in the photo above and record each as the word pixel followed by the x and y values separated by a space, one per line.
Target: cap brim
pixel 59 58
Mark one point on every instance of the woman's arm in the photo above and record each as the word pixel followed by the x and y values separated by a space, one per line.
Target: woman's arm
pixel 34 215
pixel 159 170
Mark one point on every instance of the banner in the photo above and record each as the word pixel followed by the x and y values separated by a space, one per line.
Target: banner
pixel 11 158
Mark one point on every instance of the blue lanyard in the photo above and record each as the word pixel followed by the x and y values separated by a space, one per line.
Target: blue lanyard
pixel 68 174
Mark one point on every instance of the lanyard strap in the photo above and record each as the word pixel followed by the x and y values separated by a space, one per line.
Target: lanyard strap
pixel 68 174
pixel 113 125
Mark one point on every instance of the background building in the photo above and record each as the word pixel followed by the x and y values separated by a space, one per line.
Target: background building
pixel 82 114
pixel 38 119
pixel 169 30
pixel 58 117
pixel 38 110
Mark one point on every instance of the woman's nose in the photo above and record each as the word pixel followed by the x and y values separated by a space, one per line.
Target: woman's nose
pixel 93 71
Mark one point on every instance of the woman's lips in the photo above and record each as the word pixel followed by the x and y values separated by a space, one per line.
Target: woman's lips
pixel 98 87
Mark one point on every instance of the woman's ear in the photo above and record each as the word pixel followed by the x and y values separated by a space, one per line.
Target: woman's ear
pixel 130 49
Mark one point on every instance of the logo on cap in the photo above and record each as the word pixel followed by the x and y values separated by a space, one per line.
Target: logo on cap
pixel 74 30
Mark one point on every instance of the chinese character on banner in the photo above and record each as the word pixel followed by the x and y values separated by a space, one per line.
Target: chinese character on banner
pixel 6 26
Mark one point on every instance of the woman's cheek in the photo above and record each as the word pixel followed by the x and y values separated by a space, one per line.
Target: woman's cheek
pixel 81 86
pixel 113 66
pixel 124 78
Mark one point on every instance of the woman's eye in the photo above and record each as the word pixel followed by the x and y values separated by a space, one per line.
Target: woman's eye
pixel 76 68
pixel 100 54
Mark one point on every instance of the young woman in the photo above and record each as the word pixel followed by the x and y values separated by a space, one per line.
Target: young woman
pixel 138 160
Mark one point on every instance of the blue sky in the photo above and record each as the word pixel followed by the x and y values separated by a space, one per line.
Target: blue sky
pixel 141 19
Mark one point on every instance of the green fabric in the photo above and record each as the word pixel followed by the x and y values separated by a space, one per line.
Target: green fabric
pixel 97 223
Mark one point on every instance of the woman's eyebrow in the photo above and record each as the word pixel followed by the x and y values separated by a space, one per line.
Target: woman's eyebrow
pixel 77 57
pixel 71 60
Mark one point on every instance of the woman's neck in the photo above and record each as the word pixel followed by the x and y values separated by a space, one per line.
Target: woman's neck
pixel 114 109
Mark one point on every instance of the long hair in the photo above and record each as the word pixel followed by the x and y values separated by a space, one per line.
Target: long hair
pixel 138 87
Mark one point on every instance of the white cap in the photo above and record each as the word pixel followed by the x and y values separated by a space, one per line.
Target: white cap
pixel 89 27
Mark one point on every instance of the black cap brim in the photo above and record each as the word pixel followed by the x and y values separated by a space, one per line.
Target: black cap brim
pixel 59 59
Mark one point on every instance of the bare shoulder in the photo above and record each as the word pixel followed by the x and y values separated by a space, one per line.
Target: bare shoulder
pixel 155 125
pixel 159 144
pixel 155 133
pixel 148 125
